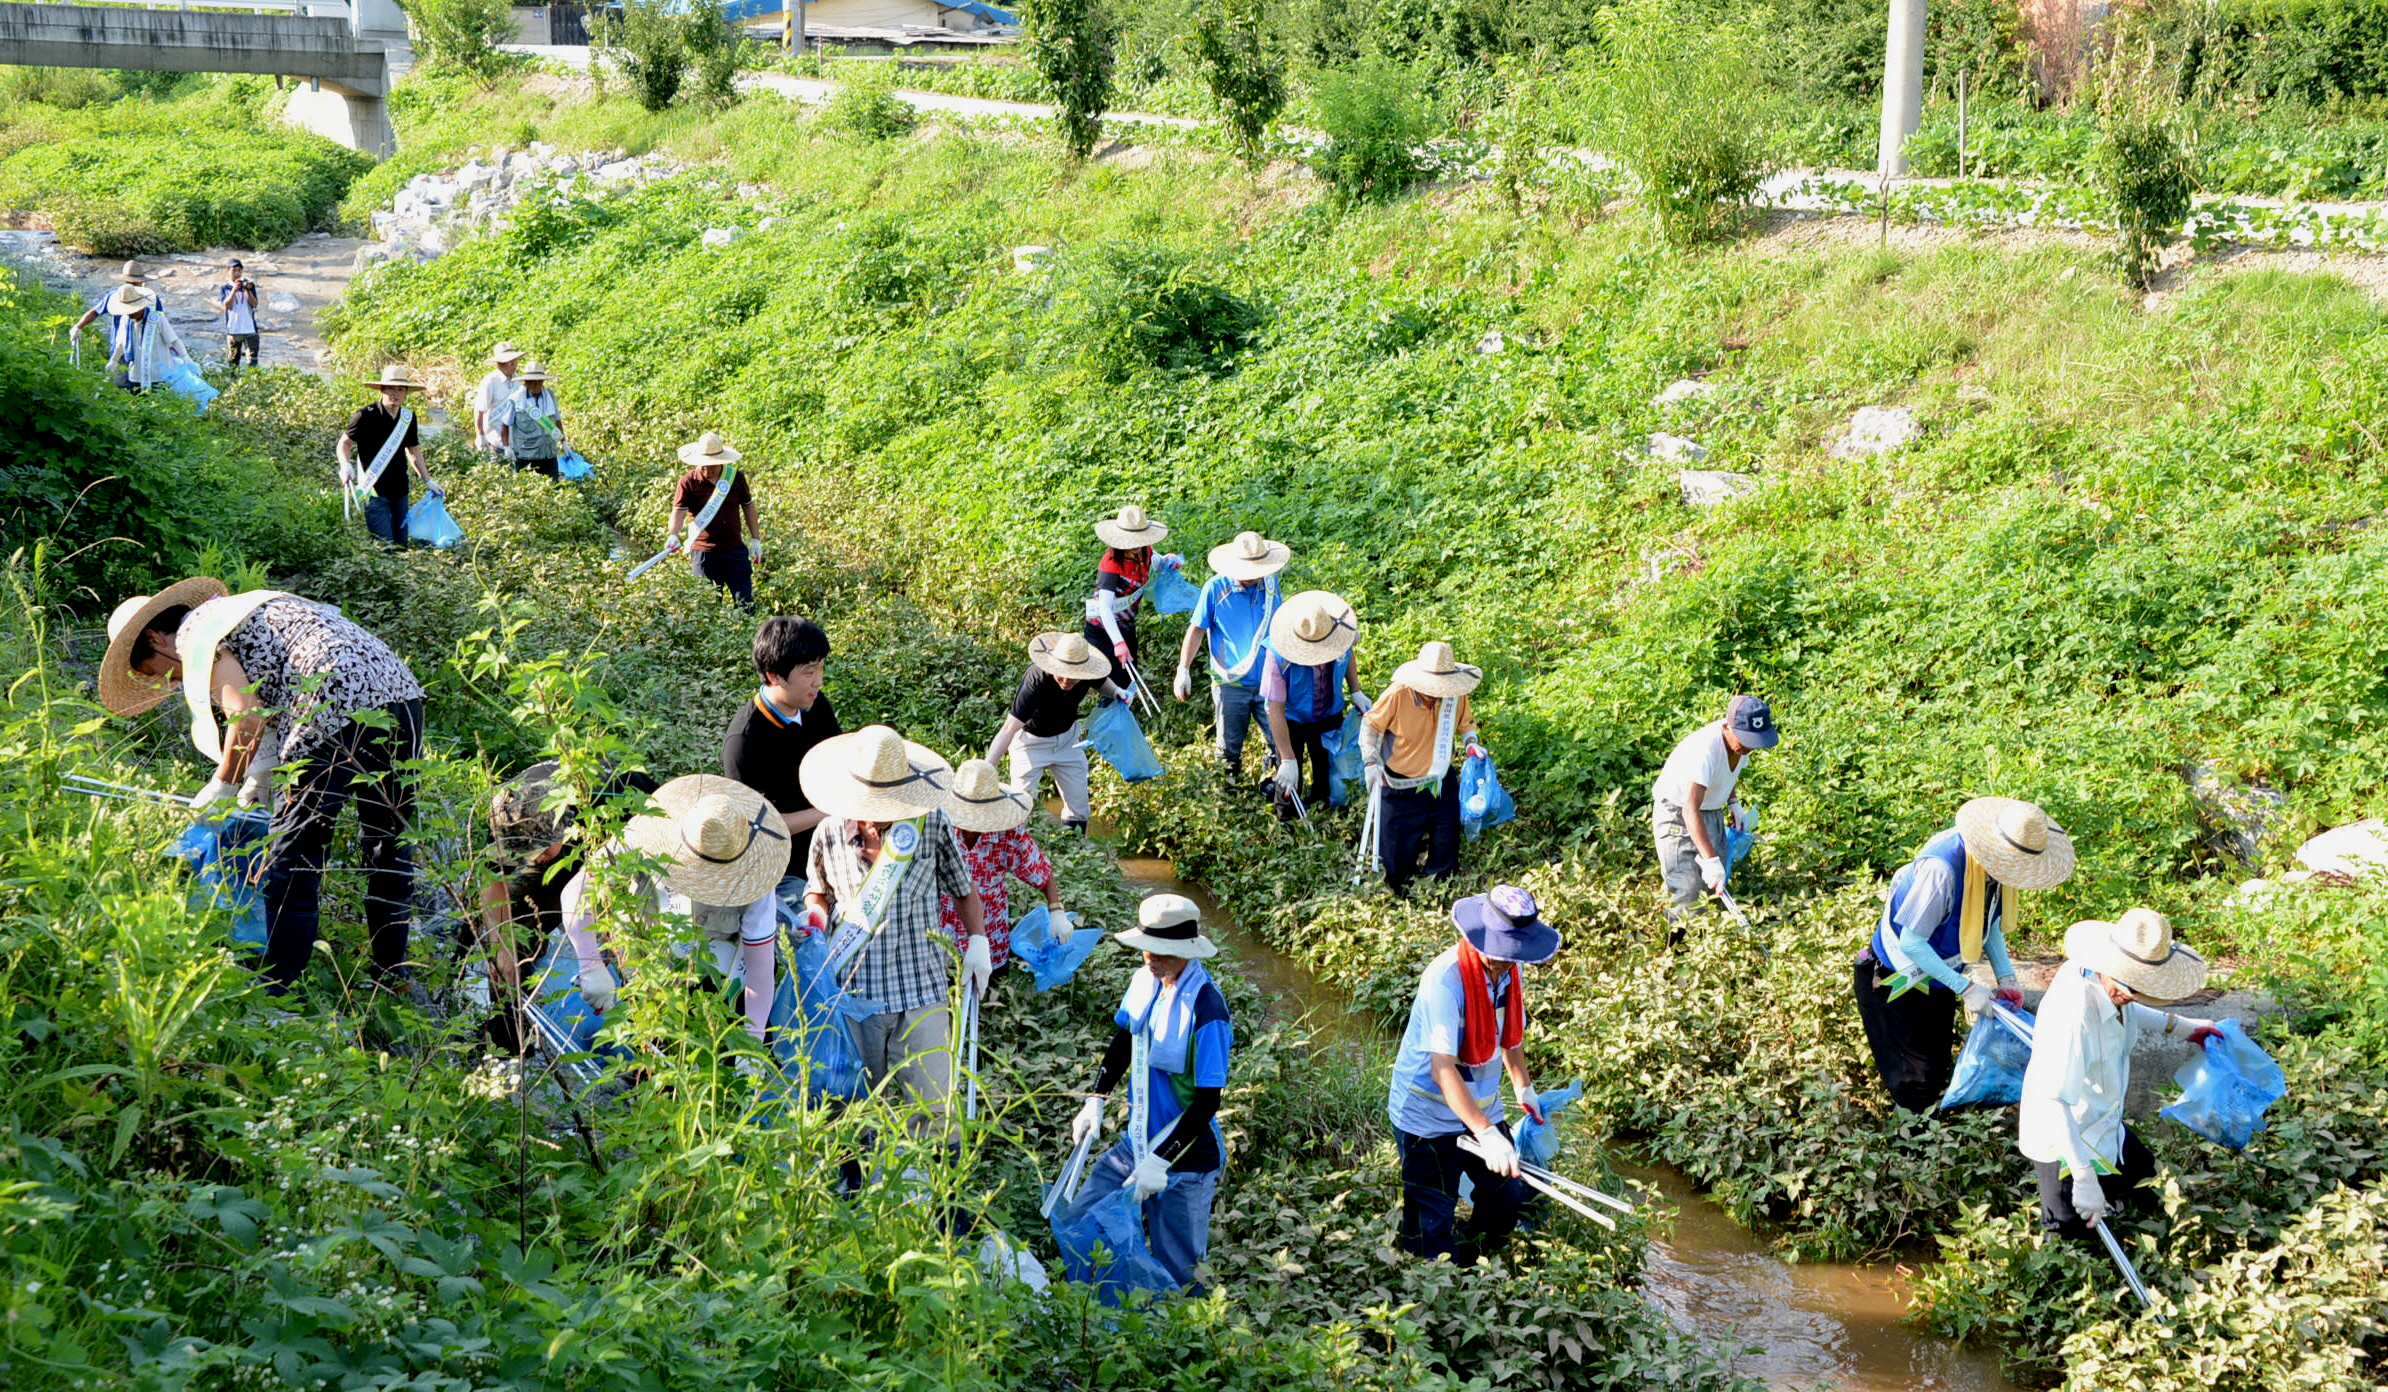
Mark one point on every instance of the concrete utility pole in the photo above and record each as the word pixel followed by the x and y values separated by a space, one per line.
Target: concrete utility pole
pixel 1902 85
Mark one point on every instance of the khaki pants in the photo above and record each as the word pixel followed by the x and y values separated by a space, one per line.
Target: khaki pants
pixel 914 1047
pixel 1032 755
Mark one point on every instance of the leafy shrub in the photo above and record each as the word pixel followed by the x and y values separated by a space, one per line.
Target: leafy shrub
pixel 463 35
pixel 717 49
pixel 1074 45
pixel 1377 119
pixel 1243 71
pixel 866 104
pixel 2144 164
pixel 2313 53
pixel 647 44
pixel 1145 307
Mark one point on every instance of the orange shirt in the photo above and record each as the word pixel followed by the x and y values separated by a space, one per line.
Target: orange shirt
pixel 1408 721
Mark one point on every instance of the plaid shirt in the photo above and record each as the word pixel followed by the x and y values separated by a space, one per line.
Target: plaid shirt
pixel 904 968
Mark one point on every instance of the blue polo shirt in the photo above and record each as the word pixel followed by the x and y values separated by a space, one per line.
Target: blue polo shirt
pixel 1437 1019
pixel 1237 619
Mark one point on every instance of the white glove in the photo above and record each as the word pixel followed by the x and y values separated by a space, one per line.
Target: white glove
pixel 1712 874
pixel 1373 775
pixel 597 987
pixel 1288 774
pixel 1182 685
pixel 1150 1177
pixel 754 548
pixel 1733 817
pixel 2089 1199
pixel 1360 701
pixel 74 333
pixel 1530 1102
pixel 748 1066
pixel 1500 1156
pixel 1088 1122
pixel 1978 998
pixel 978 963
pixel 434 489
pixel 256 790
pixel 1474 750
pixel 1064 926
pixel 216 791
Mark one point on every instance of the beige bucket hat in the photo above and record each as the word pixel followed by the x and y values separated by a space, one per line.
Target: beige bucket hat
pixel 505 352
pixel 132 297
pixel 121 689
pixel 1435 672
pixel 979 801
pixel 1250 556
pixel 2138 950
pixel 2015 842
pixel 396 375
pixel 1068 655
pixel 1169 924
pixel 1130 529
pixel 726 844
pixel 134 274
pixel 1313 627
pixel 874 775
pixel 709 448
pixel 533 372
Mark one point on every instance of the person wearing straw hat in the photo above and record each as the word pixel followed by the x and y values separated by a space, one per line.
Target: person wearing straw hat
pixel 1172 1039
pixel 1237 603
pixel 2101 1000
pixel 1307 680
pixel 1466 1028
pixel 1125 569
pixel 991 821
pixel 1693 802
pixel 1042 730
pixel 368 450
pixel 722 851
pixel 341 707
pixel 1948 911
pixel 1406 743
pixel 880 859
pixel 530 425
pixel 768 738
pixel 142 342
pixel 496 388
pixel 714 501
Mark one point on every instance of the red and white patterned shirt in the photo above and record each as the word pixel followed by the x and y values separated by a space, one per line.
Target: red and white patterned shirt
pixel 994 860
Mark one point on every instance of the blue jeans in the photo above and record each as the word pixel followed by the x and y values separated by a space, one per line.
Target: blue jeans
pixel 1177 1221
pixel 791 894
pixel 1235 707
pixel 1431 1168
pixel 386 518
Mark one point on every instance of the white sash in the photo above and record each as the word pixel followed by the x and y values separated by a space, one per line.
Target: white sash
pixel 1260 640
pixel 1106 604
pixel 1445 719
pixel 712 508
pixel 135 355
pixel 1140 1083
pixel 381 457
pixel 555 433
pixel 897 850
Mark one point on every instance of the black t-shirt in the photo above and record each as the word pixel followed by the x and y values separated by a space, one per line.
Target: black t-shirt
pixel 764 754
pixel 367 429
pixel 1043 707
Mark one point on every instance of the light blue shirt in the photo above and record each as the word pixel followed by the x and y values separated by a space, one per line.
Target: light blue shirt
pixel 1929 894
pixel 1438 1017
pixel 1237 619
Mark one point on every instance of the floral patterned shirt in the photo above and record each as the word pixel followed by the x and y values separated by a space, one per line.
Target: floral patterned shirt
pixel 993 861
pixel 314 668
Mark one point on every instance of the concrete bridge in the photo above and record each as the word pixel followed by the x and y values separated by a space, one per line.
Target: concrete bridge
pixel 348 50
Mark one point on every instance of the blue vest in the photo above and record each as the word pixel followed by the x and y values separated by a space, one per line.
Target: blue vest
pixel 1949 849
pixel 1302 703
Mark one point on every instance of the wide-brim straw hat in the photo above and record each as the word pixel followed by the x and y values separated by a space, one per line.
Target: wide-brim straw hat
pixel 121 689
pixel 2015 843
pixel 709 448
pixel 1130 530
pixel 1313 627
pixel 505 352
pixel 1168 924
pixel 980 802
pixel 533 372
pixel 2138 951
pixel 1250 556
pixel 726 844
pixel 1068 655
pixel 131 298
pixel 874 775
pixel 134 274
pixel 1435 672
pixel 395 375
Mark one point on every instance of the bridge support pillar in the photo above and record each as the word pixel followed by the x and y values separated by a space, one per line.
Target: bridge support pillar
pixel 353 119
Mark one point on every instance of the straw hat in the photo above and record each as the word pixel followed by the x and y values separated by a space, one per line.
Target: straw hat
pixel 1435 672
pixel 1313 627
pixel 1169 924
pixel 1250 556
pixel 395 375
pixel 726 844
pixel 121 689
pixel 2138 951
pixel 873 775
pixel 980 802
pixel 709 448
pixel 532 372
pixel 1068 655
pixel 134 274
pixel 2015 843
pixel 1130 530
pixel 505 352
pixel 132 297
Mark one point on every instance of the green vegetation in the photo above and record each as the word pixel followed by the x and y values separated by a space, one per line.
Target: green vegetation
pixel 664 52
pixel 1376 118
pixel 1075 47
pixel 1243 71
pixel 2144 165
pixel 866 105
pixel 462 36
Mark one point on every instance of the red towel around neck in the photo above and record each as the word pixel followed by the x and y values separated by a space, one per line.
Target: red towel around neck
pixel 1476 1035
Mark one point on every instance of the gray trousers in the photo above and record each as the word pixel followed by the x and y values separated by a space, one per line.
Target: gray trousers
pixel 914 1047
pixel 1679 855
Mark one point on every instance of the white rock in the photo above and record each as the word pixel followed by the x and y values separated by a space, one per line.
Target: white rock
pixel 2357 849
pixel 1709 487
pixel 1675 448
pixel 719 236
pixel 1875 430
pixel 770 222
pixel 1684 390
pixel 282 304
pixel 1492 342
pixel 1025 258
pixel 614 171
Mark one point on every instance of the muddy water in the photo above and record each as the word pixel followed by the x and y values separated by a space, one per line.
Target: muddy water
pixel 1800 1325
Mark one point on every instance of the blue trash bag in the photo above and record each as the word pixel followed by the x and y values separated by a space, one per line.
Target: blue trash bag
pixel 1483 802
pixel 1112 732
pixel 1538 1141
pixel 1990 1066
pixel 1105 1247
pixel 223 854
pixel 1343 756
pixel 2226 1087
pixel 1738 841
pixel 570 465
pixel 1051 963
pixel 1169 589
pixel 819 1034
pixel 186 382
pixel 552 1006
pixel 428 523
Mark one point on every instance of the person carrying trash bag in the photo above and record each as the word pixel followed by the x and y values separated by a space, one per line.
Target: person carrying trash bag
pixel 1307 680
pixel 346 714
pixel 1955 900
pixel 1121 576
pixel 143 346
pixel 1042 730
pixel 1693 802
pixel 717 505
pixel 991 822
pixel 881 857
pixel 530 425
pixel 371 473
pixel 1407 742
pixel 2102 998
pixel 1233 613
pixel 1466 1028
pixel 1171 1039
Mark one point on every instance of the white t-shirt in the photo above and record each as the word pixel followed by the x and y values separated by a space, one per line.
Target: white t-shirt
pixel 239 317
pixel 495 391
pixel 1699 759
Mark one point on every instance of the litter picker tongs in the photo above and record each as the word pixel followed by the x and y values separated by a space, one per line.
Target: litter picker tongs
pixel 121 792
pixel 1560 1188
pixel 2114 1249
pixel 1073 1174
pixel 968 1044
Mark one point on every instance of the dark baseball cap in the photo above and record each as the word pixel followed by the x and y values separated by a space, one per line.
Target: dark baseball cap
pixel 1751 721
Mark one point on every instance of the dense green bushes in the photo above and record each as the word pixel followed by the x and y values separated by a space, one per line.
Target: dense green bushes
pixel 2313 53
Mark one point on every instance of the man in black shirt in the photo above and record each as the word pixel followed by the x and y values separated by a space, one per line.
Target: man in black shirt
pixel 369 465
pixel 1042 730
pixel 770 735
